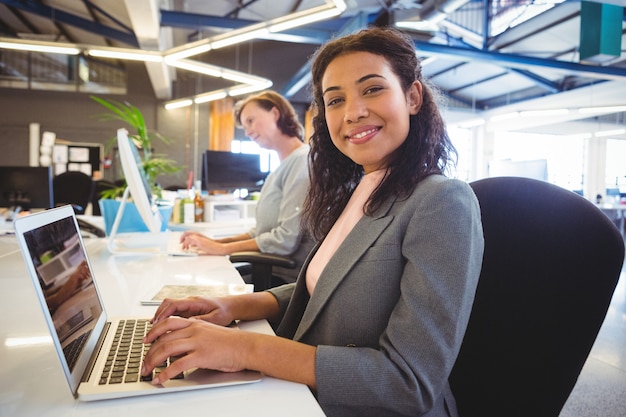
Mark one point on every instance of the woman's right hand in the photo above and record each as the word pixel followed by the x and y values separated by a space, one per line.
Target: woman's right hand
pixel 215 310
pixel 202 244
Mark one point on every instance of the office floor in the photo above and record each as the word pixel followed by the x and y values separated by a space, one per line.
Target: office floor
pixel 601 387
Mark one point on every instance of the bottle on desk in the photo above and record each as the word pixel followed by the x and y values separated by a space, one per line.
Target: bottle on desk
pixel 188 208
pixel 198 203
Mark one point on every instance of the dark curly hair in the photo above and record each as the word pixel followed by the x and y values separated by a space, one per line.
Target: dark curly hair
pixel 427 149
pixel 288 121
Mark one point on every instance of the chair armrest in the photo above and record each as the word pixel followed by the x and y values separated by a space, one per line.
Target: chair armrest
pixel 263 258
pixel 261 265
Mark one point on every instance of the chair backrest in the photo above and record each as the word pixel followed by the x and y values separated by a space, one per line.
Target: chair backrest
pixel 75 188
pixel 551 263
pixel 99 187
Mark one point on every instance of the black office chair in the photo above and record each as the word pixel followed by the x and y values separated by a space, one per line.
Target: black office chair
pixel 260 266
pixel 75 188
pixel 551 263
pixel 99 187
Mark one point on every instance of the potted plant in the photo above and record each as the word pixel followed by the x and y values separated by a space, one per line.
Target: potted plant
pixel 153 164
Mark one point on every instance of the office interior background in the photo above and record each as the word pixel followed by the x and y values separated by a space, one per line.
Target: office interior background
pixel 521 81
pixel 530 87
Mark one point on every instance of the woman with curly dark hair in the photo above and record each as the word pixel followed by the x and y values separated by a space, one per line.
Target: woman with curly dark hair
pixel 427 149
pixel 375 321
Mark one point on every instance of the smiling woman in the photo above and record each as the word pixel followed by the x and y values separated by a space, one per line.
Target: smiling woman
pixel 368 92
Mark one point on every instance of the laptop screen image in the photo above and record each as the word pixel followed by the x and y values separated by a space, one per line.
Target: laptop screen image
pixel 67 284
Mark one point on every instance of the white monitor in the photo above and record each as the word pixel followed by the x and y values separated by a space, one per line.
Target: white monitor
pixel 137 186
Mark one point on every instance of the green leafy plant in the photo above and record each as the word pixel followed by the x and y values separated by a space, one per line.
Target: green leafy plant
pixel 153 164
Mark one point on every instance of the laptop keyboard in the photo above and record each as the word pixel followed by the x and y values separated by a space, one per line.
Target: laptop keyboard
pixel 123 364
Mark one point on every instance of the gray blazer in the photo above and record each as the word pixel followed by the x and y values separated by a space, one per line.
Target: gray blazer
pixel 390 309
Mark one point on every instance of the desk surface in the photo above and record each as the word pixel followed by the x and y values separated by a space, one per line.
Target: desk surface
pixel 32 380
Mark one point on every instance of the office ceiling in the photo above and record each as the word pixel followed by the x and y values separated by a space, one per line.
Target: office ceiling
pixel 529 61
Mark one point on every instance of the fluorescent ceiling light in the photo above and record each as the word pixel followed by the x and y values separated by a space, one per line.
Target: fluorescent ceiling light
pixel 340 4
pixel 188 50
pixel 206 97
pixel 178 103
pixel 303 18
pixel 472 123
pixel 549 112
pixel 218 94
pixel 259 30
pixel 127 54
pixel 418 25
pixel 242 77
pixel 239 36
pixel 196 66
pixel 505 116
pixel 247 89
pixel 605 109
pixel 218 72
pixel 427 61
pixel 35 46
pixel 616 132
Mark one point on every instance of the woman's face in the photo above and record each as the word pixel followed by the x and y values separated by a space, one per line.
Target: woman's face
pixel 367 111
pixel 260 124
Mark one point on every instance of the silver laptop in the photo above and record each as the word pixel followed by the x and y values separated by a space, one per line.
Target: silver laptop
pixel 82 334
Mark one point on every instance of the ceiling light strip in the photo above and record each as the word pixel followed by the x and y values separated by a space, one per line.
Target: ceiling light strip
pixel 238 36
pixel 217 95
pixel 604 109
pixel 38 46
pixel 606 133
pixel 331 9
pixel 303 18
pixel 549 112
pixel 126 54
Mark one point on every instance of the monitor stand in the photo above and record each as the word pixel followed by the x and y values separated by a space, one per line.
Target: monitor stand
pixel 135 242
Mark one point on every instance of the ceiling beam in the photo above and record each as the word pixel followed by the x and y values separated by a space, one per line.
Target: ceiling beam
pixel 145 20
pixel 521 61
pixel 39 9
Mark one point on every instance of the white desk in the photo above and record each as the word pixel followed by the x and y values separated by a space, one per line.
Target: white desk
pixel 31 379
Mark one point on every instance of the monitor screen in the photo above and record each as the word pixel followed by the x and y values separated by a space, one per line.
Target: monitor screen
pixel 227 171
pixel 137 182
pixel 26 187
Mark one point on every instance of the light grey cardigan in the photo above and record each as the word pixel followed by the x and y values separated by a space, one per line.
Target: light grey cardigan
pixel 390 309
pixel 277 229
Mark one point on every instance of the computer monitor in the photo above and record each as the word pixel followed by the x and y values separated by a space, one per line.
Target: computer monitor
pixel 137 186
pixel 28 188
pixel 227 171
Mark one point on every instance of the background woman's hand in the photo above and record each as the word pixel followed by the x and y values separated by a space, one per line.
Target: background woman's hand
pixel 202 244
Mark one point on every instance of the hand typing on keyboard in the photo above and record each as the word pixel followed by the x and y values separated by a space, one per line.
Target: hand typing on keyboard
pixel 195 343
pixel 127 352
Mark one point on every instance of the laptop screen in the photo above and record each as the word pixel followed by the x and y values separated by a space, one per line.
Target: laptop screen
pixel 59 259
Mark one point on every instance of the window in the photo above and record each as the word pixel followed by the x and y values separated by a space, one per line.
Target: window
pixel 565 155
pixel 615 165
